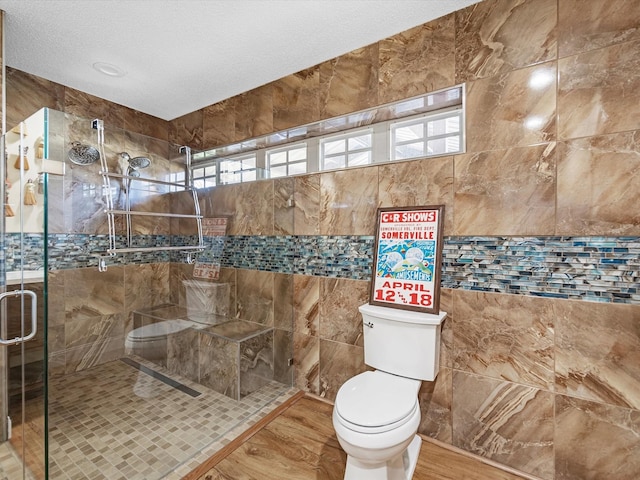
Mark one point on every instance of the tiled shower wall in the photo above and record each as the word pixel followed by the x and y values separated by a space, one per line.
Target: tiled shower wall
pixel 549 386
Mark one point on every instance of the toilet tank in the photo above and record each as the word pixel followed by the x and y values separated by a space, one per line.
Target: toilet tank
pixel 402 342
pixel 204 299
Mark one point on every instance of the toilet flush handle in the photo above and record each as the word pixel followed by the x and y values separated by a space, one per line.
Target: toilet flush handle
pixel 369 324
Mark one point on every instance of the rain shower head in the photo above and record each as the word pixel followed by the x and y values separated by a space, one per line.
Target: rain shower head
pixel 136 162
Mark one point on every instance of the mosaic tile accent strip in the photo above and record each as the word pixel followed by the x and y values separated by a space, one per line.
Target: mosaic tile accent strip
pixel 601 269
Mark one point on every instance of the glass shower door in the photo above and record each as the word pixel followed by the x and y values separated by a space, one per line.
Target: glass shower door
pixel 22 294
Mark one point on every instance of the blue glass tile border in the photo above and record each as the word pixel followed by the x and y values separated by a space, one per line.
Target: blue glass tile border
pixel 599 269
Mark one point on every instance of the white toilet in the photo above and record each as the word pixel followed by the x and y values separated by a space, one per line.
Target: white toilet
pixel 376 413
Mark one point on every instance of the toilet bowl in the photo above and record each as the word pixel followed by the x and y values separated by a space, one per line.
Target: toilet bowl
pixel 376 418
pixel 150 341
pixel 376 414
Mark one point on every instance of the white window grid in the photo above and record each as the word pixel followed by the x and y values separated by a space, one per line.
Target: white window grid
pixel 440 133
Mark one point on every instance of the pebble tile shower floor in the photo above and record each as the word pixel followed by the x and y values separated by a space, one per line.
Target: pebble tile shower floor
pixel 102 428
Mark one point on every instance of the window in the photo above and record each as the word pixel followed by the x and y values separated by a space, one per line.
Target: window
pixel 418 127
pixel 237 170
pixel 426 136
pixel 287 161
pixel 349 150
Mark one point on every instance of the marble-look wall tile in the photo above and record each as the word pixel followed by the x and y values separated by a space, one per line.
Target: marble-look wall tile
pixel 599 91
pixel 307 205
pixel 218 365
pixel 349 83
pixel 306 305
pixel 598 185
pixel 282 352
pixel 146 285
pixel 584 26
pixel 348 201
pixel 598 352
pixel 254 296
pixel 89 106
pixel 93 330
pixel 219 123
pixel 446 329
pixel 26 94
pixel 254 113
pixel 419 182
pixel 435 407
pixel 144 124
pixel 497 36
pixel 338 363
pixel 512 109
pixel 256 362
pixel 253 209
pixel 93 354
pixel 506 192
pixel 295 99
pixel 595 441
pixel 89 293
pixel 187 130
pixel 306 357
pixel 283 211
pixel 508 423
pixel 506 337
pixel 340 319
pixel 183 353
pixel 417 61
pixel 283 287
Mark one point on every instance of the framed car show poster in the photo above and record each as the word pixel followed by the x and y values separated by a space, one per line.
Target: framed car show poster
pixel 407 258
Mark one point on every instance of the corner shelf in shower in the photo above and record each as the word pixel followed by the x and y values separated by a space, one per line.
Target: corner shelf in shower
pixel 111 212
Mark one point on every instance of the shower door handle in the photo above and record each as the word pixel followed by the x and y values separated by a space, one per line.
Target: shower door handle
pixel 34 315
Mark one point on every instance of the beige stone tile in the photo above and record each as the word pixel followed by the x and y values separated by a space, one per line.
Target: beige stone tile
pixel 146 285
pixel 187 130
pixel 306 355
pixel 506 192
pixel 512 109
pixel 283 212
pixel 419 182
pixel 598 185
pixel 253 209
pixel 89 293
pixel 338 363
pixel 26 94
pixel 89 107
pixel 254 113
pixel 84 331
pixel 417 61
pixel 219 123
pixel 508 423
pixel 599 91
pixel 435 406
pixel 307 205
pixel 349 83
pixel 306 304
pixel 505 337
pixel 254 296
pixel 283 289
pixel 595 441
pixel 584 26
pixel 283 351
pixel 340 319
pixel 495 36
pixel 295 99
pixel 145 124
pixel 348 201
pixel 598 352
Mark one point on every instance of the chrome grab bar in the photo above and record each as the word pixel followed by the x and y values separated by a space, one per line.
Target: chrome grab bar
pixel 34 315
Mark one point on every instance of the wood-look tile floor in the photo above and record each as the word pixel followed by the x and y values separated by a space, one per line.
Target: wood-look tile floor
pixel 301 444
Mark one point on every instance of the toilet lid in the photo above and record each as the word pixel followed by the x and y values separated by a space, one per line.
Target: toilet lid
pixel 374 399
pixel 160 329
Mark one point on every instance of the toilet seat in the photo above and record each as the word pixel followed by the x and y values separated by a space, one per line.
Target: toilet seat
pixel 376 402
pixel 155 331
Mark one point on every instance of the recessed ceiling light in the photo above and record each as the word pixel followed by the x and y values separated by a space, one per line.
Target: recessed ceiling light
pixel 109 69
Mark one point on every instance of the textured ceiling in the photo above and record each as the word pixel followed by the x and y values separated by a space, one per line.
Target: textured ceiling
pixel 182 55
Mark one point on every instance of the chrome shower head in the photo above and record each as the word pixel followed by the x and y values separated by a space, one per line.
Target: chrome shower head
pixel 135 162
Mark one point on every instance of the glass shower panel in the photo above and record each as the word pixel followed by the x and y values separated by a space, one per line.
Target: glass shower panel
pixel 23 396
